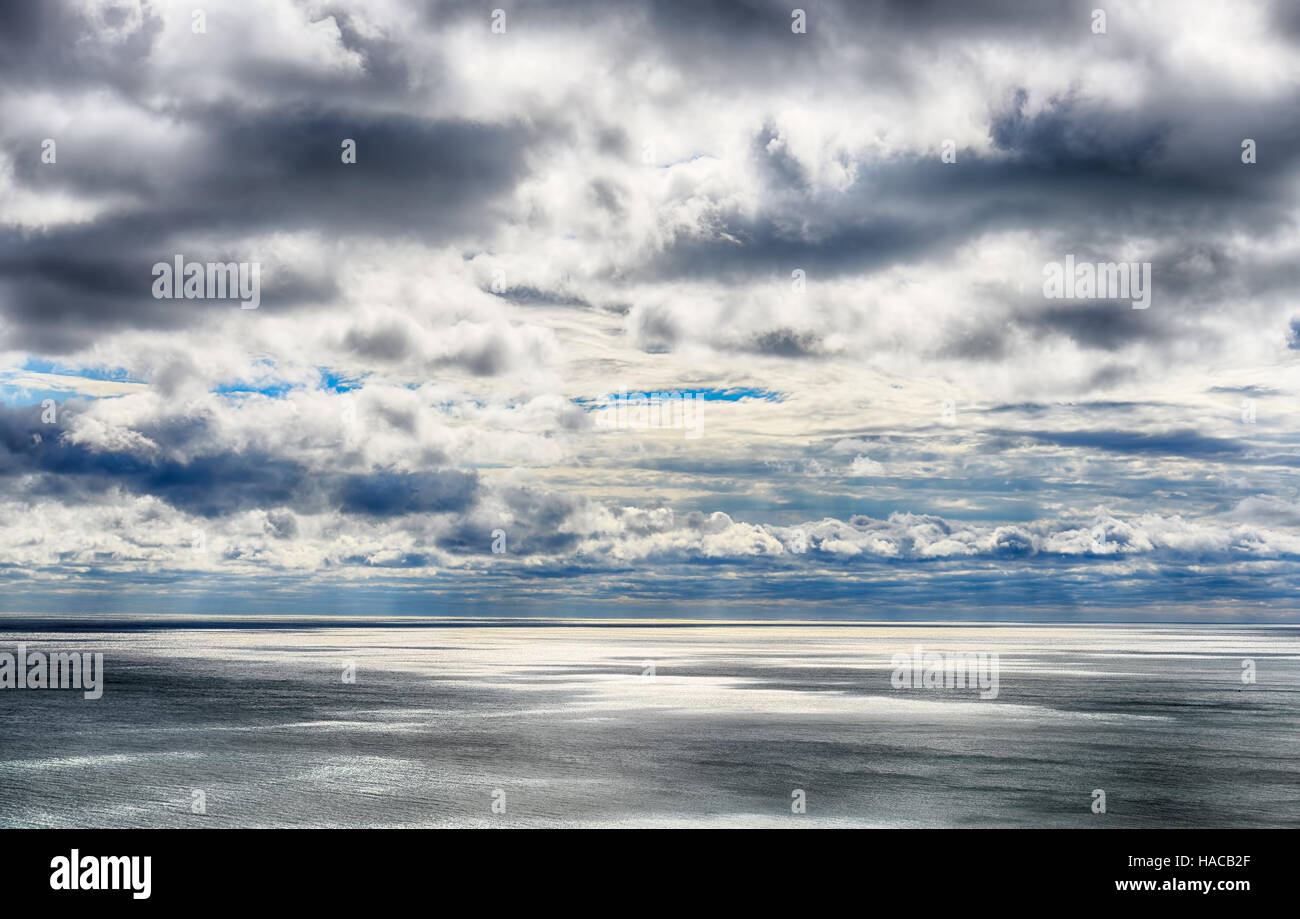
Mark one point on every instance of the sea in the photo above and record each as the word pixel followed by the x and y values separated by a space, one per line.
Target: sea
pixel 396 722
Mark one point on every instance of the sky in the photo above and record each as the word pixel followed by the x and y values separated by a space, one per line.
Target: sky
pixel 824 232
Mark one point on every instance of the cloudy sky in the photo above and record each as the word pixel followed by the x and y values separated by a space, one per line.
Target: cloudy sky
pixel 891 418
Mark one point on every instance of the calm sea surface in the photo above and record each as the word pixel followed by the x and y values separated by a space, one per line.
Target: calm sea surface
pixel 616 725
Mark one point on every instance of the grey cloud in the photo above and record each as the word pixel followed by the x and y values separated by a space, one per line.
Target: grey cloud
pixel 39 44
pixel 282 524
pixel 278 170
pixel 389 342
pixel 213 481
pixel 385 494
pixel 787 343
pixel 608 196
pixel 59 292
pixel 1100 324
pixel 1173 443
pixel 1065 136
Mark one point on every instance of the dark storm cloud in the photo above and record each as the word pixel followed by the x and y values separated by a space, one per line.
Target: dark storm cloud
pixel 59 292
pixel 1064 138
pixel 387 494
pixel 782 170
pixel 431 178
pixel 905 212
pixel 1174 143
pixel 283 168
pixel 210 485
pixel 61 288
pixel 1171 171
pixel 740 247
pixel 56 43
pixel 280 169
pixel 1076 173
pixel 1185 443
pixel 43 44
pixel 273 168
pixel 765 24
pixel 214 481
pixel 534 527
pixel 1104 325
pixel 928 17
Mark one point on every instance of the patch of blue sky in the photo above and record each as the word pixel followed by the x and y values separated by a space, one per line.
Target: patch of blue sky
pixel 239 388
pixel 20 396
pixel 734 394
pixel 330 381
pixel 38 380
pixel 337 382
pixel 110 374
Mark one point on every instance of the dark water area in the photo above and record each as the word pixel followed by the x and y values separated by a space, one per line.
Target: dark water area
pixel 581 724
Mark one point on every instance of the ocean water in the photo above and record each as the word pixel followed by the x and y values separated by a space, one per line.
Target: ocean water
pixel 606 724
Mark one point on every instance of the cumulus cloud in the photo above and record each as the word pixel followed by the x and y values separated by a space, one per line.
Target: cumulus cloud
pixel 834 238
